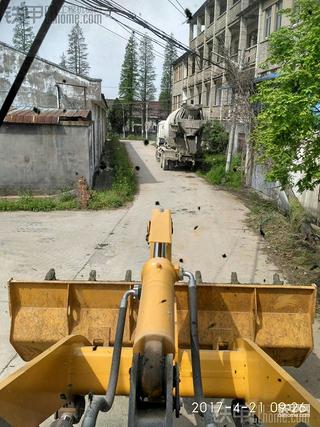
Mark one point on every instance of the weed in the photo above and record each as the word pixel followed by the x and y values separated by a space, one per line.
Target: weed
pixel 213 170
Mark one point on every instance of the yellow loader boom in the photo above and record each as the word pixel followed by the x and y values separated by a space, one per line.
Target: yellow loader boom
pixel 158 340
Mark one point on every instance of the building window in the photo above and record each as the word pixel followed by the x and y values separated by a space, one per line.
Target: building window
pixel 222 6
pixel 279 7
pixel 211 13
pixel 191 96
pixel 208 90
pixel 201 51
pixel 252 38
pixel 217 97
pixel 185 69
pixel 175 74
pixel 209 50
pixel 184 95
pixel 220 48
pixel 200 24
pixel 267 22
pixel 193 65
pixel 199 90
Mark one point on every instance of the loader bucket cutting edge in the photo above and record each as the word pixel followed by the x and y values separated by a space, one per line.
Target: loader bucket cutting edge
pixel 278 318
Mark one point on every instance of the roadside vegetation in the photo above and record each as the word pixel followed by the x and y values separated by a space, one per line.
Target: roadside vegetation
pixel 214 164
pixel 124 184
pixel 133 137
pixel 292 243
pixel 287 134
pixel 292 240
pixel 213 170
pixel 122 190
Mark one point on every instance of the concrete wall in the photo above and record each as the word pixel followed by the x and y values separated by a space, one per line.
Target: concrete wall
pixel 310 200
pixel 267 189
pixel 44 158
pixel 40 85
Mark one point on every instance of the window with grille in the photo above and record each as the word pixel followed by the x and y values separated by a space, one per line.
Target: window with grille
pixel 267 22
pixel 279 7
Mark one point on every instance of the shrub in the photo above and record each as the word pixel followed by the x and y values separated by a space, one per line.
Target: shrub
pixel 215 136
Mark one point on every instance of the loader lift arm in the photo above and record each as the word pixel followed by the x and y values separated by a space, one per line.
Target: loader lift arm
pixel 67 333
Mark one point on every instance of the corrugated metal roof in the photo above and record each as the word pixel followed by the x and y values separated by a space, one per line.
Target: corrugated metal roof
pixel 45 116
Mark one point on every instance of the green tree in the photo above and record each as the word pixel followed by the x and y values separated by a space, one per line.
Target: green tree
pixel 77 53
pixel 165 98
pixel 287 133
pixel 117 116
pixel 63 61
pixel 128 87
pixel 147 75
pixel 22 33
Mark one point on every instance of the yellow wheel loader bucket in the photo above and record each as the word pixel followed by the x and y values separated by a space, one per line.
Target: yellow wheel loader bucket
pixel 278 318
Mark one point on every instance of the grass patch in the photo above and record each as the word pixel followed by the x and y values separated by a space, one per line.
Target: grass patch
pixel 38 204
pixel 122 191
pixel 134 137
pixel 124 184
pixel 213 170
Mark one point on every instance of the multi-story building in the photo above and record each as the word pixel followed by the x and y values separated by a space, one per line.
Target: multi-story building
pixel 236 29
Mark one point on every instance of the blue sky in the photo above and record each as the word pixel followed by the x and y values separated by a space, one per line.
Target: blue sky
pixel 106 49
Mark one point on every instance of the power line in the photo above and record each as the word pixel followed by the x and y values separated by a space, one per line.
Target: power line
pixel 176 7
pixel 110 6
pixel 131 29
pixel 113 32
pixel 126 27
pixel 113 7
pixel 180 5
pixel 159 54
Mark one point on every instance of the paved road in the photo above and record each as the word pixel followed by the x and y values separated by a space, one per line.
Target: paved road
pixel 208 224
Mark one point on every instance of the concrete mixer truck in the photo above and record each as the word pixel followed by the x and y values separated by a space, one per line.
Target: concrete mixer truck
pixel 179 138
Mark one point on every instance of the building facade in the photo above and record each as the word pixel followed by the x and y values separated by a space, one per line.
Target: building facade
pixel 238 29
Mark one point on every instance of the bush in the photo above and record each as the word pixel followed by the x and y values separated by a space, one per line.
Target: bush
pixel 215 136
pixel 214 171
pixel 124 182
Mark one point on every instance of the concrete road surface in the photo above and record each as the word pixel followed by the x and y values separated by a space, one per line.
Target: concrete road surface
pixel 210 235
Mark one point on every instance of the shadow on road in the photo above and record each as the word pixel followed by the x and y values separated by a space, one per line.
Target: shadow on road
pixel 145 176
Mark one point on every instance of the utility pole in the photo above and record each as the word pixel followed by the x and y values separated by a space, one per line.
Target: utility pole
pixel 231 134
pixel 3 6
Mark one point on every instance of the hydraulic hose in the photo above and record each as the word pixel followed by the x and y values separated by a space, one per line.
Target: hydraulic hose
pixel 195 348
pixel 104 403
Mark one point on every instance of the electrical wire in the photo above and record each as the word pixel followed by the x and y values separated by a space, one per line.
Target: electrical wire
pixel 176 8
pixel 110 6
pixel 113 7
pixel 131 29
pixel 126 27
pixel 180 5
pixel 156 53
